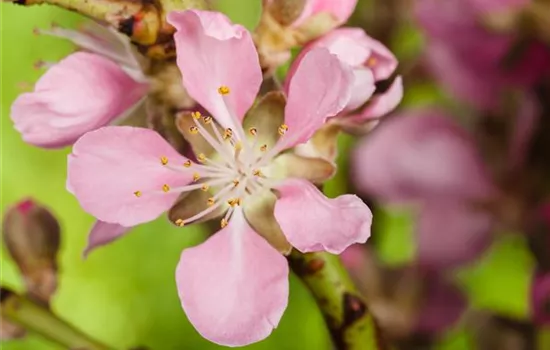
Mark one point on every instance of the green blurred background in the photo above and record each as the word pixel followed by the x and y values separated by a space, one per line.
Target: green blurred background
pixel 125 294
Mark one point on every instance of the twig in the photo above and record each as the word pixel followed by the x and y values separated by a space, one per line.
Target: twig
pixel 37 318
pixel 351 325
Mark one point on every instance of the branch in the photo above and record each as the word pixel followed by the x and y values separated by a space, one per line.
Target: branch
pixel 37 318
pixel 144 21
pixel 346 314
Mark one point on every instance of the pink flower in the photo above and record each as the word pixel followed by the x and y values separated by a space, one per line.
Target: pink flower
pixel 371 62
pixel 470 59
pixel 233 287
pixel 82 92
pixel 422 158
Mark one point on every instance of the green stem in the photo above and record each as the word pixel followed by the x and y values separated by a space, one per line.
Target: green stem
pixel 37 318
pixel 351 325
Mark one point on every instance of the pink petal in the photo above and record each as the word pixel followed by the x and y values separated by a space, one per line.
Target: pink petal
pixel 540 298
pixel 103 233
pixel 320 88
pixel 109 165
pixel 383 103
pixel 342 9
pixel 420 155
pixel 81 93
pixel 527 118
pixel 363 88
pixel 452 234
pixel 212 52
pixel 234 287
pixel 312 222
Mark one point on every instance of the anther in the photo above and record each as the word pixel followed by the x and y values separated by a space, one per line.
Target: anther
pixel 196 177
pixel 207 120
pixel 187 164
pixel 224 223
pixel 201 158
pixel 194 130
pixel 179 222
pixel 233 202
pixel 165 188
pixel 196 115
pixel 253 131
pixel 163 160
pixel 227 134
pixel 238 146
pixel 258 173
pixel 371 62
pixel 224 90
pixel 137 193
pixel 263 148
pixel 210 201
pixel 205 187
pixel 283 129
pixel 236 183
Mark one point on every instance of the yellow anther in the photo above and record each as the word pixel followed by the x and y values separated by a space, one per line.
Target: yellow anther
pixel 196 177
pixel 196 115
pixel 223 90
pixel 210 201
pixel 179 222
pixel 163 160
pixel 234 202
pixel 165 188
pixel 207 120
pixel 253 131
pixel 227 134
pixel 224 223
pixel 372 61
pixel 263 148
pixel 137 193
pixel 205 187
pixel 258 173
pixel 238 146
pixel 236 183
pixel 201 158
pixel 283 129
pixel 187 164
pixel 194 130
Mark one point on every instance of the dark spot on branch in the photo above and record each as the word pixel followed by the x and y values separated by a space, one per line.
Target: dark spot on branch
pixel 126 26
pixel 354 308
pixel 315 266
pixel 5 293
pixel 20 2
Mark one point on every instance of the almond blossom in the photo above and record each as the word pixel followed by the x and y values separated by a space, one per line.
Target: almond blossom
pixel 233 287
pixel 84 91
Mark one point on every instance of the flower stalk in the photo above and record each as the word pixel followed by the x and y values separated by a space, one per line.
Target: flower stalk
pixel 351 324
pixel 38 318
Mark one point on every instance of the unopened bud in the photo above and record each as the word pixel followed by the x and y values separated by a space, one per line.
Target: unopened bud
pixel 286 12
pixel 31 235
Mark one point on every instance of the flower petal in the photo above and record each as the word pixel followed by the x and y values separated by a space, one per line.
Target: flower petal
pixel 258 210
pixel 342 10
pixel 383 103
pixel 117 174
pixel 363 88
pixel 234 287
pixel 312 222
pixel 103 233
pixel 312 100
pixel 420 155
pixel 81 93
pixel 451 234
pixel 291 165
pixel 211 53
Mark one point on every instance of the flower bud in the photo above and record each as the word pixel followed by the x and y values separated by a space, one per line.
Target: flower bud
pixel 286 12
pixel 31 235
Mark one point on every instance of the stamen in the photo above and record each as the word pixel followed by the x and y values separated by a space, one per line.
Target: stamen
pixel 196 115
pixel 227 134
pixel 210 201
pixel 201 158
pixel 258 173
pixel 207 120
pixel 236 183
pixel 193 130
pixel 165 188
pixel 253 131
pixel 224 222
pixel 283 129
pixel 187 164
pixel 205 187
pixel 179 222
pixel 196 177
pixel 224 90
pixel 372 61
pixel 263 148
pixel 234 202
pixel 164 160
pixel 137 193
